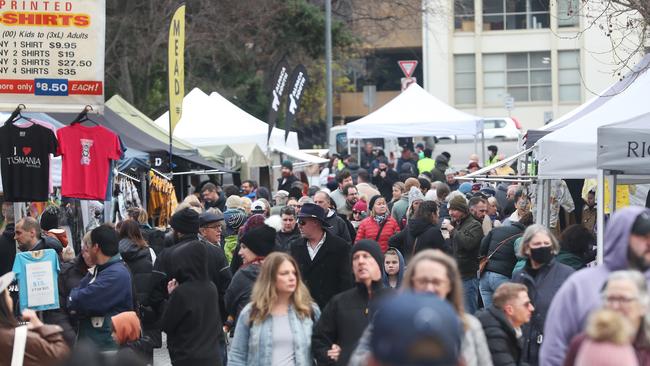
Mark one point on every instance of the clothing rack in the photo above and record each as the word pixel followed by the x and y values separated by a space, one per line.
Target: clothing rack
pixel 129 177
pixel 83 116
pixel 199 172
pixel 163 175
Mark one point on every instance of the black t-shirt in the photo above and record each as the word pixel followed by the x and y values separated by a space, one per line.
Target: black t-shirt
pixel 25 163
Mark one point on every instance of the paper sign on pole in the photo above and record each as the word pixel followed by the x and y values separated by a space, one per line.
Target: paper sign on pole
pixel 52 55
pixel 176 67
pixel 408 67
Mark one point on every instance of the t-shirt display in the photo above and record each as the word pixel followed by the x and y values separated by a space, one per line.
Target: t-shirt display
pixel 37 274
pixel 25 153
pixel 87 152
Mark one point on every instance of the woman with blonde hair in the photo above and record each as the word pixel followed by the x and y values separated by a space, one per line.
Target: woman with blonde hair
pixel 380 225
pixel 433 271
pixel 275 327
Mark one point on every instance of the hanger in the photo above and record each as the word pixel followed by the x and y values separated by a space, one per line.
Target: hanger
pixel 16 115
pixel 83 116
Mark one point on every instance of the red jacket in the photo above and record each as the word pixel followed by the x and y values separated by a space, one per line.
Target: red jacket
pixel 368 229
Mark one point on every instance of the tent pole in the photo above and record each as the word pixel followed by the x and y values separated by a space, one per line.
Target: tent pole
pixel 600 218
pixel 539 207
pixel 483 146
pixel 611 181
pixel 475 145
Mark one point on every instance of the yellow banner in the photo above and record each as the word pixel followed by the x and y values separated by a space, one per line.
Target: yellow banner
pixel 176 67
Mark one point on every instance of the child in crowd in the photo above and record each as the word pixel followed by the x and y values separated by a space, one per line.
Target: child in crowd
pixel 126 332
pixel 393 268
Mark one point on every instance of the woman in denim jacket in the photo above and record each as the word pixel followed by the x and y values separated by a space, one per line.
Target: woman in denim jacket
pixel 275 328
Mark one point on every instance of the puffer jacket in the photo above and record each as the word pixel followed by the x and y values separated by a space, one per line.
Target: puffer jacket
pixel 369 228
pixel 45 346
pixel 140 264
pixel 502 340
pixel 427 234
pixel 239 292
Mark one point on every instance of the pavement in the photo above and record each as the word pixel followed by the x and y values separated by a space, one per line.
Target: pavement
pixel 161 355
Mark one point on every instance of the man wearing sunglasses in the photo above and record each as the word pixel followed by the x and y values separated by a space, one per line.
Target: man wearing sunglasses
pixel 323 258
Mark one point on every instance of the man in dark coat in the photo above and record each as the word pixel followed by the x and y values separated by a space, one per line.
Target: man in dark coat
pixel 438 172
pixel 384 177
pixel 287 178
pixel 323 258
pixel 502 323
pixel 466 234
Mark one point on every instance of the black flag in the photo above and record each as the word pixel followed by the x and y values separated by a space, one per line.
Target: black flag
pixel 298 84
pixel 279 87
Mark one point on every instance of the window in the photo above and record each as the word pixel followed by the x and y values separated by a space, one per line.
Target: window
pixel 524 76
pixel 567 13
pixel 464 15
pixel 516 14
pixel 464 79
pixel 569 75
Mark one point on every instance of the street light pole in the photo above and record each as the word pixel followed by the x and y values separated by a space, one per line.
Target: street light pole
pixel 328 68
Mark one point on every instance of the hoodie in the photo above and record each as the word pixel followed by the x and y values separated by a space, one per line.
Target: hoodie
pixel 400 274
pixel 580 293
pixel 192 326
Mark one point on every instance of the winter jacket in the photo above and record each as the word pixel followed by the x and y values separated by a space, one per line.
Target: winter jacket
pixel 343 321
pixel 338 226
pixel 580 293
pixel 230 243
pixel 572 260
pixel 503 260
pixel 106 292
pixel 329 273
pixel 285 183
pixel 385 185
pixel 193 327
pixel 398 212
pixel 400 274
pixel 283 239
pixel 253 343
pixel 369 229
pixel 219 273
pixel 438 173
pixel 239 292
pixel 427 234
pixel 640 349
pixel 502 341
pixel 140 263
pixel 45 346
pixel 426 165
pixel 367 190
pixel 154 237
pixel 542 285
pixel 466 240
pixel 48 242
pixel 7 249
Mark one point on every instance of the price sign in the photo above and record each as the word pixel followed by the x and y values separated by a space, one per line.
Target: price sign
pixel 52 55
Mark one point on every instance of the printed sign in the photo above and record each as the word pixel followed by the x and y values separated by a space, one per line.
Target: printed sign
pixel 52 55
pixel 279 87
pixel 407 66
pixel 176 67
pixel 40 284
pixel 298 84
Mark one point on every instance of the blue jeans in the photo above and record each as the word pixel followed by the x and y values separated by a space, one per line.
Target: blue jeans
pixel 489 283
pixel 470 295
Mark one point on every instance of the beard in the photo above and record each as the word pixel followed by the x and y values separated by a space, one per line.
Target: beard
pixel 637 262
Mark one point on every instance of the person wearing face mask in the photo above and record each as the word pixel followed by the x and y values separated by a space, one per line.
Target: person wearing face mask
pixel 543 276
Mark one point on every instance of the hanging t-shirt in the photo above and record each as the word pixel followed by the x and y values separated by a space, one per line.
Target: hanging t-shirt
pixel 25 164
pixel 37 274
pixel 86 152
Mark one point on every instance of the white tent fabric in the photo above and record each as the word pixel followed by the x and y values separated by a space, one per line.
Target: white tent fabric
pixel 415 111
pixel 570 152
pixel 213 120
pixel 625 146
pixel 299 155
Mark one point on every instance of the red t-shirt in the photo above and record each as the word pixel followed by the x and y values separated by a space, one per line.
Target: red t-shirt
pixel 86 152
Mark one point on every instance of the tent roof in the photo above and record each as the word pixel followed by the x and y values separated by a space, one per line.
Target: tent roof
pixel 415 111
pixel 299 155
pixel 624 146
pixel 570 152
pixel 250 153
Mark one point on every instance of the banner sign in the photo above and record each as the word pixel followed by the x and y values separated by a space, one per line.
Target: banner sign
pixel 52 55
pixel 176 67
pixel 279 87
pixel 298 84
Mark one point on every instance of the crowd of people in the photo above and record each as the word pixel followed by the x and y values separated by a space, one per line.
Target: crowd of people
pixel 384 263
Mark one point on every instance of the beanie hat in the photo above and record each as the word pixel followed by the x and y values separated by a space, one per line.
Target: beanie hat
pixel 446 155
pixel 442 159
pixel 234 218
pixel 641 224
pixel 372 247
pixel 414 195
pixel 459 203
pixel 50 218
pixel 185 221
pixel 360 206
pixel 465 188
pixel 260 240
pixel 374 199
pixel 234 201
pixel 287 164
pixel 126 326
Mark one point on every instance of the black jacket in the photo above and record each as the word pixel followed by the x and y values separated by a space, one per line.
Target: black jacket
pixel 503 261
pixel 220 274
pixel 339 227
pixel 190 320
pixel 140 264
pixel 466 241
pixel 285 183
pixel 542 286
pixel 385 185
pixel 7 249
pixel 239 292
pixel 330 271
pixel 343 321
pixel 427 234
pixel 504 346
pixel 283 239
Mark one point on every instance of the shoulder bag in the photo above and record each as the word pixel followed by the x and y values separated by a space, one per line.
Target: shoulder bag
pixel 483 261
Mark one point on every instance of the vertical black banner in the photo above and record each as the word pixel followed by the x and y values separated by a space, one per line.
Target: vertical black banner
pixel 298 84
pixel 279 88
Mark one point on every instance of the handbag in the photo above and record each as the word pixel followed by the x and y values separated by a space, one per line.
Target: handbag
pixel 483 261
pixel 20 341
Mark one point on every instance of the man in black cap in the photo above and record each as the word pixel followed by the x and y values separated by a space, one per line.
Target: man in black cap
pixel 493 157
pixel 323 258
pixel 287 178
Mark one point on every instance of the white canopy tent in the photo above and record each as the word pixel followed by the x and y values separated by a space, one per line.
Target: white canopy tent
pixel 624 147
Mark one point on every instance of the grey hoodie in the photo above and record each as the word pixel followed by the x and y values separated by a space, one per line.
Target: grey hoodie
pixel 580 293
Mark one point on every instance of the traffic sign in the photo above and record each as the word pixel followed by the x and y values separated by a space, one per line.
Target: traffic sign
pixel 406 82
pixel 408 66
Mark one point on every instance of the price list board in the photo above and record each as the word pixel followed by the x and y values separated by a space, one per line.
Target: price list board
pixel 52 55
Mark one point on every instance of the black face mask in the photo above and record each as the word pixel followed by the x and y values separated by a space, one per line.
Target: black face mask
pixel 541 255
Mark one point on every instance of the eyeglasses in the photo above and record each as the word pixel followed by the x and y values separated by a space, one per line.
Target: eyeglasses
pixel 621 300
pixel 356 212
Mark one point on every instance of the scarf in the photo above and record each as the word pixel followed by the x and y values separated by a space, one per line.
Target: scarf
pixel 380 219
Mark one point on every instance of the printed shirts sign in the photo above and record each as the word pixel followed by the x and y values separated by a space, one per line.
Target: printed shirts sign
pixel 37 275
pixel 52 55
pixel 86 152
pixel 25 165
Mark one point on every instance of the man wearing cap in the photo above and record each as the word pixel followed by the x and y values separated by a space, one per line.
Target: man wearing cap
pixel 466 234
pixel 287 178
pixel 210 225
pixel 626 246
pixel 347 315
pixel 438 173
pixel 493 156
pixel 281 198
pixel 323 258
